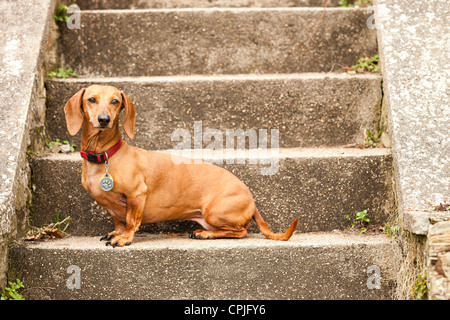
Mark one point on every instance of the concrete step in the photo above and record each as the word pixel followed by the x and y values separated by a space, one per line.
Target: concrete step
pixel 308 266
pixel 157 42
pixel 309 110
pixel 318 186
pixel 167 4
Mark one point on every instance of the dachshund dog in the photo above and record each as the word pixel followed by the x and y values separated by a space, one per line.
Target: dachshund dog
pixel 139 186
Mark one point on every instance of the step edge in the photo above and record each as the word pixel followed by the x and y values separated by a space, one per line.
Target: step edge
pixel 221 9
pixel 282 153
pixel 224 78
pixel 155 242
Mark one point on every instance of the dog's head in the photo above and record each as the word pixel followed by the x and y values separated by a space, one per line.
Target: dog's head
pixel 100 106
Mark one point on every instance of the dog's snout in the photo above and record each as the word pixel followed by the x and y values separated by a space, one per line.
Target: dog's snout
pixel 104 120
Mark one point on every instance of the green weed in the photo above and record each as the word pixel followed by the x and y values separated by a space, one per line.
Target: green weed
pixel 58 142
pixel 392 229
pixel 357 3
pixel 420 289
pixel 62 73
pixel 361 220
pixel 367 64
pixel 12 291
pixel 60 14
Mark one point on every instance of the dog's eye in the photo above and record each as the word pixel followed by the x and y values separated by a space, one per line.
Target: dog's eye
pixel 92 100
pixel 115 102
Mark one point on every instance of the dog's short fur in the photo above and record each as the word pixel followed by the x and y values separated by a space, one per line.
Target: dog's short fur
pixel 148 186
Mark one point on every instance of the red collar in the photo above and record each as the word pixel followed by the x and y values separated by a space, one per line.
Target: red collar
pixel 101 157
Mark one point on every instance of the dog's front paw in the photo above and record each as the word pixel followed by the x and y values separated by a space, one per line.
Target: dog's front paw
pixel 106 237
pixel 119 241
pixel 110 235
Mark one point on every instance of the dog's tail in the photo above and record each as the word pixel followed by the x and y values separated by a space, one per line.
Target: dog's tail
pixel 265 230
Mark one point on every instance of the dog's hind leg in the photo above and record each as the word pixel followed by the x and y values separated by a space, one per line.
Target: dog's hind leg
pixel 217 234
pixel 226 218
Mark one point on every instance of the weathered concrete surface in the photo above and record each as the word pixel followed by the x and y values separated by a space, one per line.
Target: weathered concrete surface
pixel 22 41
pixel 309 110
pixel 438 262
pixel 413 36
pixel 146 4
pixel 318 186
pixel 308 266
pixel 155 42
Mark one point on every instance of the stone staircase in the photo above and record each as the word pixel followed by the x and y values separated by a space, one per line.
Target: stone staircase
pixel 232 65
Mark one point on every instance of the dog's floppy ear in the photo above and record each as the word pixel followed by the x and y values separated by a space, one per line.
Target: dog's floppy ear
pixel 72 109
pixel 129 120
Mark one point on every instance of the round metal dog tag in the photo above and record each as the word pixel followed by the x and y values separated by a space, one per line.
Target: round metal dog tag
pixel 106 182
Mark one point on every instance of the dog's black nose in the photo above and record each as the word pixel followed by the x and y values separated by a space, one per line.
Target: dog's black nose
pixel 103 119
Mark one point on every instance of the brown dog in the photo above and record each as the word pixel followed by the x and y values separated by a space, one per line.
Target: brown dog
pixel 148 186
